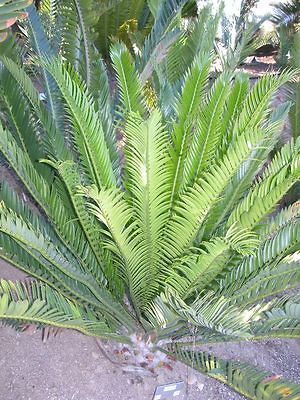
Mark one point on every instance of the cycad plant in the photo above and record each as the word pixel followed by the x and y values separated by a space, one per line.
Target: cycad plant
pixel 161 240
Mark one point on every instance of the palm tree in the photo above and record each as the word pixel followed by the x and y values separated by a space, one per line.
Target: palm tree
pixel 167 243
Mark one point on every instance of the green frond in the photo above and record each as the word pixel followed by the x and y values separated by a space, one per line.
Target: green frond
pixel 195 272
pixel 242 377
pixel 160 38
pixel 42 47
pixel 44 247
pixel 283 218
pixel 87 131
pixel 71 178
pixel 187 108
pixel 24 168
pixel 282 172
pixel 59 213
pixel 148 181
pixel 214 313
pixel 207 135
pixel 99 262
pixel 247 41
pixel 195 204
pixel 129 85
pixel 37 303
pixel 105 107
pixel 244 178
pixel 64 270
pixel 123 239
pixel 19 119
pixel 281 319
pixel 198 38
pixel 77 20
pixel 284 241
pixel 234 104
pixel 54 140
pixel 255 105
pixel 269 281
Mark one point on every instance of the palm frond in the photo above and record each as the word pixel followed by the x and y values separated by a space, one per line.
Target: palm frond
pixel 128 80
pixel 242 377
pixel 281 319
pixel 208 311
pixel 42 47
pixel 39 304
pixel 198 38
pixel 280 175
pixel 123 239
pixel 54 141
pixel 207 136
pixel 195 272
pixel 87 128
pixel 194 205
pixel 71 178
pixel 188 105
pixel 148 181
pixel 160 38
pixel 18 118
pixel 269 281
pixel 273 249
pixel 244 178
pixel 78 19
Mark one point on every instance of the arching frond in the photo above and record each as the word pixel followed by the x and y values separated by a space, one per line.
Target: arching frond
pixel 269 281
pixel 187 108
pixel 198 38
pixel 194 205
pixel 280 319
pixel 87 128
pixel 42 47
pixel 272 250
pixel 195 272
pixel 54 139
pixel 124 241
pixel 128 80
pixel 247 173
pixel 282 172
pixel 208 311
pixel 148 181
pixel 160 38
pixel 207 135
pixel 41 305
pixel 242 377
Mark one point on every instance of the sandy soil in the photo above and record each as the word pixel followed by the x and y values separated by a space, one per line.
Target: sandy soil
pixel 70 367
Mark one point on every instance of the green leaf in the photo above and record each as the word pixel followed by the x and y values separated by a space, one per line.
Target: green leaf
pixel 128 80
pixel 87 128
pixel 242 377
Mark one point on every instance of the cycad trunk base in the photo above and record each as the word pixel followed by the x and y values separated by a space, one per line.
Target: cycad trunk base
pixel 176 247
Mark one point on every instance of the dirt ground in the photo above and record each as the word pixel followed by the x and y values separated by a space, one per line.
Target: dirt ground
pixel 70 367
